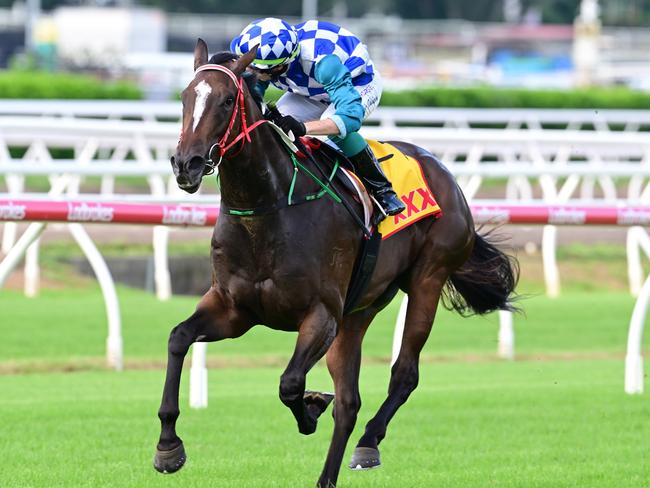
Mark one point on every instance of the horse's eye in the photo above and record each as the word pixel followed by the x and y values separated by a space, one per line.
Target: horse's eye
pixel 229 101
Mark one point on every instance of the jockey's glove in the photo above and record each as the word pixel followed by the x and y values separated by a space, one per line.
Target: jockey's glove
pixel 290 124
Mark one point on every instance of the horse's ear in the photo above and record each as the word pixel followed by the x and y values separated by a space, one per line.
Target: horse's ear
pixel 242 63
pixel 200 53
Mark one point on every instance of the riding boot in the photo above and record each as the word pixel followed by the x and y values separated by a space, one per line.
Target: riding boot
pixel 367 168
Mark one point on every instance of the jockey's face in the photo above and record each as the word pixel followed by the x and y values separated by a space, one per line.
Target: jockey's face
pixel 269 74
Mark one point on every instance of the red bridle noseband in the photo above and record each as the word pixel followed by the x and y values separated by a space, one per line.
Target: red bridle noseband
pixel 244 134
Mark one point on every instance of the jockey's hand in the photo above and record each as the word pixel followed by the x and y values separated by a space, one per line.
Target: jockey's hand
pixel 291 124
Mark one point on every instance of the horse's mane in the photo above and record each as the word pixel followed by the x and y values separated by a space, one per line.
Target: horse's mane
pixel 223 57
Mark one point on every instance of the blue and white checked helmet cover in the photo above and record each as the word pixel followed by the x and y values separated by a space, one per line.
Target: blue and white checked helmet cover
pixel 277 39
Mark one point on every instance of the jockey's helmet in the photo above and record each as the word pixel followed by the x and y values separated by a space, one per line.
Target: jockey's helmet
pixel 277 39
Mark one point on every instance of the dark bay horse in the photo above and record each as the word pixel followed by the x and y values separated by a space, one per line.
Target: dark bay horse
pixel 289 269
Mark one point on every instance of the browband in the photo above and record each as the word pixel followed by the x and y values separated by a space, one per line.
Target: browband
pixel 217 67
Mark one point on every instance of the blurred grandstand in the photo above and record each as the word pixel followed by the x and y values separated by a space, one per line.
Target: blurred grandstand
pixel 155 47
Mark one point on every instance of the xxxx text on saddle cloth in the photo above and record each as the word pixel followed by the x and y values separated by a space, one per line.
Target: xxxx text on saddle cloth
pixel 408 182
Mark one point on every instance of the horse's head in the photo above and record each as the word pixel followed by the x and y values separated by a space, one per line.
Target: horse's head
pixel 211 104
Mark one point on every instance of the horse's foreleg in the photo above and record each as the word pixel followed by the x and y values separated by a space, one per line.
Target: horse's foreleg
pixel 343 362
pixel 315 335
pixel 423 302
pixel 212 321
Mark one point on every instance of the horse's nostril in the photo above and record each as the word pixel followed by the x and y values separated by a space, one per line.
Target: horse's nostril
pixel 172 160
pixel 196 163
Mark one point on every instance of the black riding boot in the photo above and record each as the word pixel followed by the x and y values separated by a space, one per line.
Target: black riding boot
pixel 367 168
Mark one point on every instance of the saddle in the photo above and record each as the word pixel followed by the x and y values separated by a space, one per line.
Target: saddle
pixel 345 176
pixel 408 181
pixel 403 171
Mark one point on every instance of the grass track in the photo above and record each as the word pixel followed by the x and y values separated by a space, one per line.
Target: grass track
pixel 66 326
pixel 537 422
pixel 528 424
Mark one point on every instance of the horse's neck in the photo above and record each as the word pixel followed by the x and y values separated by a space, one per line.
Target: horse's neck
pixel 259 175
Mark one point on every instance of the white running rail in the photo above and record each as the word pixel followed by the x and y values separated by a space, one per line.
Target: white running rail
pixel 528 118
pixel 186 215
pixel 552 165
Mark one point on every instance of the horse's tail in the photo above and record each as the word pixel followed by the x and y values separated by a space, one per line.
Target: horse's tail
pixel 485 282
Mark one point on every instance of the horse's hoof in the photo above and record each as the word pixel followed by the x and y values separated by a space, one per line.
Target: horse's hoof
pixel 308 426
pixel 365 458
pixel 317 402
pixel 167 462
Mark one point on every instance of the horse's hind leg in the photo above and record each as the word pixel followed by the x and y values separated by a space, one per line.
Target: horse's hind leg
pixel 212 321
pixel 423 302
pixel 315 335
pixel 343 362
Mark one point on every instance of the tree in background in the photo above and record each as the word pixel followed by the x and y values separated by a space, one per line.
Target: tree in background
pixel 486 10
pixel 614 12
pixel 626 12
pixel 552 11
pixel 559 11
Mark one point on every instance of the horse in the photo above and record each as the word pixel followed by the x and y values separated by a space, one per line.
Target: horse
pixel 288 267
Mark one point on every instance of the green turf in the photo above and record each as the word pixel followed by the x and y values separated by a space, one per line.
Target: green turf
pixel 556 417
pixel 65 325
pixel 528 424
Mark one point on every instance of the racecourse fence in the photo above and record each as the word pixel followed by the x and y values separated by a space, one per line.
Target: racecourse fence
pixel 570 157
pixel 590 160
pixel 74 213
pixel 526 118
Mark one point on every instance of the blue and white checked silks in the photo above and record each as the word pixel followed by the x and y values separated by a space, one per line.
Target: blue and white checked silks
pixel 316 39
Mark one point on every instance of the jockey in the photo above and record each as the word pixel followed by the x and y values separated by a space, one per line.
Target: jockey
pixel 331 84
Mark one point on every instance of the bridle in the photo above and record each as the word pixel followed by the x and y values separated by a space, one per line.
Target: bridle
pixel 222 145
pixel 244 136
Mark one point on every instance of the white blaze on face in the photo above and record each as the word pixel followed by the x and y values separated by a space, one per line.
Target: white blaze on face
pixel 202 91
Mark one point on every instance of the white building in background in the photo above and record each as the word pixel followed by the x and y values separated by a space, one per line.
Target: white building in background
pixel 103 37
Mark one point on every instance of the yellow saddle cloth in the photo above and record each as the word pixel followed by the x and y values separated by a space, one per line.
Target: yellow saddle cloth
pixel 405 173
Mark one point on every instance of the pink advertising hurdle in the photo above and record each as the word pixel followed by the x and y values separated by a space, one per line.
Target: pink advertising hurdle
pixel 79 212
